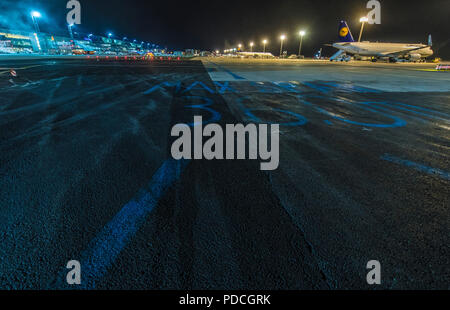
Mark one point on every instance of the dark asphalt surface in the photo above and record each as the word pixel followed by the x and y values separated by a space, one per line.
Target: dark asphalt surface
pixel 366 178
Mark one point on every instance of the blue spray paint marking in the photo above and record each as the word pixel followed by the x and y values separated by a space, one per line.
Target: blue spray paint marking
pixel 423 109
pixel 419 167
pixel 204 87
pixel 287 86
pixel 266 88
pixel 237 77
pixel 215 116
pixel 390 110
pixel 398 121
pixel 301 120
pixel 318 87
pixel 107 245
pixel 224 87
pixel 398 106
pixel 163 86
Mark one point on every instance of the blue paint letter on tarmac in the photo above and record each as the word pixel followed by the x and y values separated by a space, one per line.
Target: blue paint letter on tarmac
pixel 203 87
pixel 215 116
pixel 163 86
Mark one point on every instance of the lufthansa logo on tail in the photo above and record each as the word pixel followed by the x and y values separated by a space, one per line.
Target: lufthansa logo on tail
pixel 343 32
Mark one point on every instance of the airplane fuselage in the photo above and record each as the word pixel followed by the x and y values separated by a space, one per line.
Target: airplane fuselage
pixel 373 49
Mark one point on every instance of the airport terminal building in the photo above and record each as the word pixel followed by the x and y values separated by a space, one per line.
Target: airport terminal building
pixel 23 42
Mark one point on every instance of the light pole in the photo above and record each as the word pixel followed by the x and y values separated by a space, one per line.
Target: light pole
pixel 362 20
pixel 302 34
pixel 282 38
pixel 251 46
pixel 69 26
pixel 264 43
pixel 34 16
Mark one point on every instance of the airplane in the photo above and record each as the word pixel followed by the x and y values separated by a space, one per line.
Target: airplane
pixel 255 55
pixel 392 51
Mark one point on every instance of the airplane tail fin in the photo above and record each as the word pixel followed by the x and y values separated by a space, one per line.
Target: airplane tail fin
pixel 345 35
pixel 430 41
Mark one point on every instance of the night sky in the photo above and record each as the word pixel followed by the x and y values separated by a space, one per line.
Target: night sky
pixel 215 24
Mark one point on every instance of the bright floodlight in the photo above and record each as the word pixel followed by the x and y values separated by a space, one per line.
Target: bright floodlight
pixel 283 37
pixel 239 45
pixel 36 14
pixel 302 33
pixel 265 41
pixel 363 19
pixel 252 44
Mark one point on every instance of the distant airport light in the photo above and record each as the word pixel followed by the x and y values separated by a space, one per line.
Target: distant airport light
pixel 264 43
pixel 37 41
pixel 110 35
pixel 362 20
pixel 69 26
pixel 34 15
pixel 282 38
pixel 251 46
pixel 302 34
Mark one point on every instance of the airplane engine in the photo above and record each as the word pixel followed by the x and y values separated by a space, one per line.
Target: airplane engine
pixel 415 57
